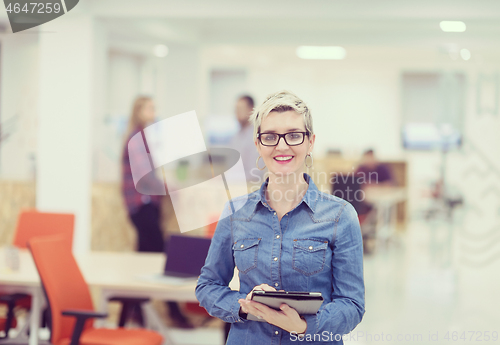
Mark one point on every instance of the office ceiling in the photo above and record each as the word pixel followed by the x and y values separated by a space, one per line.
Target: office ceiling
pixel 300 22
pixel 403 23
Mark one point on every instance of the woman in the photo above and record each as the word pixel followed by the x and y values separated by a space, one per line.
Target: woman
pixel 286 236
pixel 144 210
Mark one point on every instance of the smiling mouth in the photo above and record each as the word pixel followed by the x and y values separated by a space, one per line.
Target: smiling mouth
pixel 283 158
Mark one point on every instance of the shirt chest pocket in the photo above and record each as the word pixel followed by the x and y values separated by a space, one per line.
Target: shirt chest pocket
pixel 245 253
pixel 309 256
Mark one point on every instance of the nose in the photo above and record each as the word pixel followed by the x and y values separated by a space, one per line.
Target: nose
pixel 282 145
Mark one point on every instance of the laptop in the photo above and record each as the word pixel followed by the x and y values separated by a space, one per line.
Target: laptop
pixel 185 256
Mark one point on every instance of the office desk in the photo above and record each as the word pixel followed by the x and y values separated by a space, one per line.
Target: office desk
pixel 385 200
pixel 112 274
pixel 385 195
pixel 26 280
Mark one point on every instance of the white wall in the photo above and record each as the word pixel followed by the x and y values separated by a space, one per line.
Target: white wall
pixel 173 82
pixel 355 102
pixel 181 70
pixel 19 74
pixel 66 107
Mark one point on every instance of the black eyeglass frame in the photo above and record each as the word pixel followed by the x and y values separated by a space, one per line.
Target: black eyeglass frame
pixel 284 138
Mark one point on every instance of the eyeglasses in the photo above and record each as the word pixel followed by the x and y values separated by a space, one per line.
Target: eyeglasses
pixel 291 139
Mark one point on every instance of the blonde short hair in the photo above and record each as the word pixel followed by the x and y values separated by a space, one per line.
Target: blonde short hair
pixel 281 102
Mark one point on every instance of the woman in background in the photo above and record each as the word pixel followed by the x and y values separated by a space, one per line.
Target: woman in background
pixel 144 210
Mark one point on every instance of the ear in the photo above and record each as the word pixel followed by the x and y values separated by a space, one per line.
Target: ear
pixel 312 139
pixel 257 146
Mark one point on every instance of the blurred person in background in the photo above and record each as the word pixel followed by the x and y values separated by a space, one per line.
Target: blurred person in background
pixel 144 210
pixel 243 140
pixel 374 172
pixel 286 236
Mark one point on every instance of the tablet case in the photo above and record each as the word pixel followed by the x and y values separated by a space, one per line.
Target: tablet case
pixel 302 302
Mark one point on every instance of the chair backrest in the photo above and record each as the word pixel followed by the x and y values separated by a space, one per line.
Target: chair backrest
pixel 62 280
pixel 348 187
pixel 32 223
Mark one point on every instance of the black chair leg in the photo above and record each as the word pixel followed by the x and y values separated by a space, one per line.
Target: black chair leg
pixel 124 314
pixel 10 318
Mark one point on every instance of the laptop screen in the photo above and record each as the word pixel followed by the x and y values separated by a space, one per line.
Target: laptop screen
pixel 186 255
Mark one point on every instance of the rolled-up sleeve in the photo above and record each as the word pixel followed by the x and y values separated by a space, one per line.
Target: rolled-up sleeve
pixel 347 308
pixel 212 289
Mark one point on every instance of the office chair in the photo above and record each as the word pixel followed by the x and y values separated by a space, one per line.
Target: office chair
pixel 32 223
pixel 10 321
pixel 348 187
pixel 69 299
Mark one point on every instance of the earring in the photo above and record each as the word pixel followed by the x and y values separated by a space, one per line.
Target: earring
pixel 257 163
pixel 312 160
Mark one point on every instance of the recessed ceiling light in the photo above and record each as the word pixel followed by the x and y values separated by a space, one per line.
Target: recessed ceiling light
pixel 452 26
pixel 160 50
pixel 321 52
pixel 465 54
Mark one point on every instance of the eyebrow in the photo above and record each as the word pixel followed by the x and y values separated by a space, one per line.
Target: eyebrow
pixel 288 131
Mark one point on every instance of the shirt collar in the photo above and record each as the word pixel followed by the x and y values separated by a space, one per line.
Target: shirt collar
pixel 310 198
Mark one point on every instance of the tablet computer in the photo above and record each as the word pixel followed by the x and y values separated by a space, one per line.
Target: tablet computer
pixel 302 302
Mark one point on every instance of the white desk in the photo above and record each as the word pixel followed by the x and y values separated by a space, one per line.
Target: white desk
pixel 112 273
pixel 25 280
pixel 385 200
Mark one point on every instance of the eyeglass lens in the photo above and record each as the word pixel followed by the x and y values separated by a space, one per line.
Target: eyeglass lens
pixel 290 138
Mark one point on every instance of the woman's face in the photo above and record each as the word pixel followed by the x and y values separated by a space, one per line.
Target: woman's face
pixel 148 112
pixel 283 159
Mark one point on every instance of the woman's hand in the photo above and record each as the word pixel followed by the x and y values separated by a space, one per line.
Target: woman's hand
pixel 287 318
pixel 263 287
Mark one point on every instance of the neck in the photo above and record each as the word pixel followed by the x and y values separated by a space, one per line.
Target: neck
pixel 286 190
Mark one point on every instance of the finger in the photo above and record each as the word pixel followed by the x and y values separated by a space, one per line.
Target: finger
pixel 258 309
pixel 266 287
pixel 287 310
pixel 242 305
pixel 261 287
pixel 284 307
pixel 254 311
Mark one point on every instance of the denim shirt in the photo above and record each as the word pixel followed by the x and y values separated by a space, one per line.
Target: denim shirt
pixel 316 247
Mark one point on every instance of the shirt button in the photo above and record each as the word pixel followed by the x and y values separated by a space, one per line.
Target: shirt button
pixel 277 236
pixel 276 332
pixel 275 259
pixel 310 247
pixel 244 245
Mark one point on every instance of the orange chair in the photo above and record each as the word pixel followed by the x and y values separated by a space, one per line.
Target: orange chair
pixel 32 223
pixel 69 298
